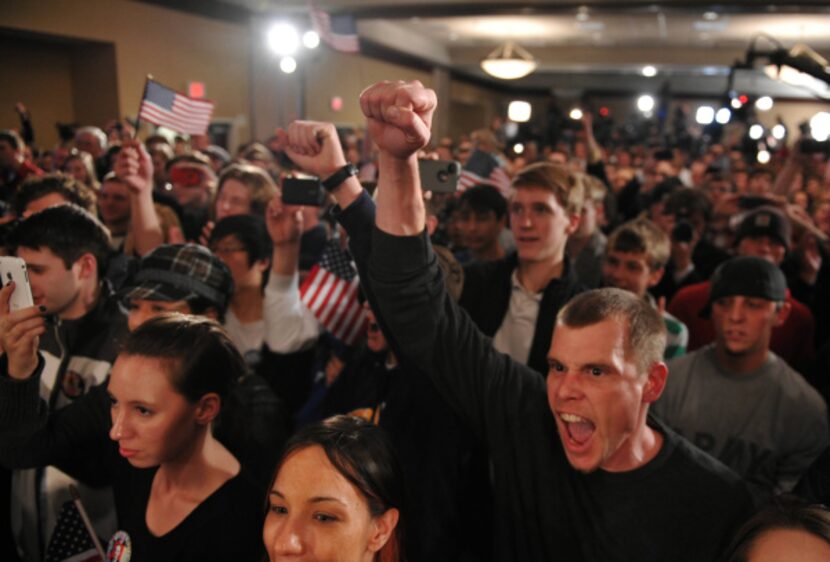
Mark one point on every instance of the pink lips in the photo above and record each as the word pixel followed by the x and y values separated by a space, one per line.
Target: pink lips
pixel 126 453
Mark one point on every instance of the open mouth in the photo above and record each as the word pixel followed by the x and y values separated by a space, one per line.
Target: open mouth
pixel 578 430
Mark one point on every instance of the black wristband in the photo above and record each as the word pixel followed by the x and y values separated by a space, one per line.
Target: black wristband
pixel 333 181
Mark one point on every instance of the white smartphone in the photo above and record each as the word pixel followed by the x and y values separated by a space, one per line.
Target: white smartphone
pixel 14 269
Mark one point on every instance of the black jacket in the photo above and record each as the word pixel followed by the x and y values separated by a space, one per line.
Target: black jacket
pixel 486 298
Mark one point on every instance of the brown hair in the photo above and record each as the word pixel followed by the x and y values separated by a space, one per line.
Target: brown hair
pixel 641 236
pixel 646 337
pixel 260 184
pixel 565 185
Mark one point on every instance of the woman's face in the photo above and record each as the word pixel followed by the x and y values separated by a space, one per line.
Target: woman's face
pixel 234 198
pixel 315 514
pixel 75 168
pixel 151 421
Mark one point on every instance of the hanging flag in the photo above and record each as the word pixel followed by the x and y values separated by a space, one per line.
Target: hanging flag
pixel 70 541
pixel 168 108
pixel 338 31
pixel 483 168
pixel 330 293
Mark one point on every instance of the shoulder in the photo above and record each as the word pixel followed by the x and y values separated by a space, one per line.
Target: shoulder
pixel 796 389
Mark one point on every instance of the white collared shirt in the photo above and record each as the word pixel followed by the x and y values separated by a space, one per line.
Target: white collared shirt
pixel 515 335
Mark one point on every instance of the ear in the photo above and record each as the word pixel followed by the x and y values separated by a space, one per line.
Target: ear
pixel 207 408
pixel 87 266
pixel 262 265
pixel 655 276
pixel 573 223
pixel 657 375
pixel 783 313
pixel 382 529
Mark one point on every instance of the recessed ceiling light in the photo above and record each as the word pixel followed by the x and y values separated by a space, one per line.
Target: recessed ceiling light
pixel 710 16
pixel 649 71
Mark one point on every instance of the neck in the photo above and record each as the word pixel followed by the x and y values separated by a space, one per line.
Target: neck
pixel 741 364
pixel 83 303
pixel 643 445
pixel 535 275
pixel 246 304
pixel 195 467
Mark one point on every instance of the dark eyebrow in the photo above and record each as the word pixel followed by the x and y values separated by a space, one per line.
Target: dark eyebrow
pixel 315 499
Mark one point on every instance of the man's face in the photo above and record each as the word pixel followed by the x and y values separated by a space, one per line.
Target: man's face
pixel 598 396
pixel 234 198
pixel 87 142
pixel 540 224
pixel 762 246
pixel 480 229
pixel 629 271
pixel 114 203
pixel 743 325
pixel 8 155
pixel 141 310
pixel 190 185
pixel 759 184
pixel 232 251
pixel 53 285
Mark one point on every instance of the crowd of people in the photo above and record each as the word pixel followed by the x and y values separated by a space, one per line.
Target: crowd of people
pixel 622 355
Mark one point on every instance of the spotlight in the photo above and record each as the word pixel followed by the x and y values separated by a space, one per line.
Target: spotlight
pixel 518 148
pixel 705 115
pixel 756 132
pixel 645 103
pixel 820 126
pixel 283 39
pixel 288 64
pixel 736 103
pixel 576 114
pixel 311 40
pixel 649 71
pixel 779 131
pixel 723 115
pixel 763 103
pixel 519 111
pixel 763 156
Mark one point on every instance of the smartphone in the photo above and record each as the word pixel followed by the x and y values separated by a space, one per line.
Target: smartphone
pixel 296 191
pixel 439 176
pixel 14 269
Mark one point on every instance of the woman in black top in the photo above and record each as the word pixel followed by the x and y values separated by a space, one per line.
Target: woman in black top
pixel 179 493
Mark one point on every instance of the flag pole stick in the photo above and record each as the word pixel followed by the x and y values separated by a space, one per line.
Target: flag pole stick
pixel 143 96
pixel 76 499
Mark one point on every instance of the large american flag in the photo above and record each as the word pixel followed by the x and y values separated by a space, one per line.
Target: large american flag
pixel 168 108
pixel 330 293
pixel 338 31
pixel 483 168
pixel 70 541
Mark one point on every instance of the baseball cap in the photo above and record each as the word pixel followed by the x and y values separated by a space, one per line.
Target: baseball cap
pixel 175 272
pixel 747 276
pixel 765 221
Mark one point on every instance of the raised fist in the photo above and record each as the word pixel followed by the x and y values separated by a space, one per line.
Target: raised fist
pixel 399 116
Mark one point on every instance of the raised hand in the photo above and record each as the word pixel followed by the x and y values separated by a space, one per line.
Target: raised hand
pixel 134 167
pixel 313 146
pixel 284 222
pixel 399 116
pixel 20 333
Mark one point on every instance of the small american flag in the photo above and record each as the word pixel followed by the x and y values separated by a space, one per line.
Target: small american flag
pixel 70 541
pixel 483 168
pixel 337 31
pixel 330 293
pixel 168 108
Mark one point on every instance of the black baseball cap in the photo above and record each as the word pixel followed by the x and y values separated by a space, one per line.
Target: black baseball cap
pixel 747 276
pixel 765 221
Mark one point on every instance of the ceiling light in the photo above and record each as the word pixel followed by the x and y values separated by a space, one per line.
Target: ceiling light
pixel 763 103
pixel 288 65
pixel 509 62
pixel 518 111
pixel 645 103
pixel 779 131
pixel 763 156
pixel 736 103
pixel 705 115
pixel 576 114
pixel 311 40
pixel 649 71
pixel 518 148
pixel 756 131
pixel 710 16
pixel 723 115
pixel 283 38
pixel 820 126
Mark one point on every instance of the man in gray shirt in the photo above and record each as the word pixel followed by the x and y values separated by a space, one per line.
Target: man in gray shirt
pixel 737 400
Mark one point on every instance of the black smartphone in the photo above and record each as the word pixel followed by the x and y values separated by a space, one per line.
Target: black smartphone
pixel 297 191
pixel 439 176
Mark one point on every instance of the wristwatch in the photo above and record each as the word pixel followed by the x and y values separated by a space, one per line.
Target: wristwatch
pixel 333 181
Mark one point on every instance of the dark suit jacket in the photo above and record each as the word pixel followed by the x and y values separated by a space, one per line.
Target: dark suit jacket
pixel 486 298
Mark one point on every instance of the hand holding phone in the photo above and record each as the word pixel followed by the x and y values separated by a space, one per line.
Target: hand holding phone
pixel 14 269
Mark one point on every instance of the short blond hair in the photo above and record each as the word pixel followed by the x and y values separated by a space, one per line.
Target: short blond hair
pixel 565 185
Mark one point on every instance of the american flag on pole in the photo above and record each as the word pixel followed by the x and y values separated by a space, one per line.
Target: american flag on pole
pixel 330 293
pixel 70 541
pixel 168 108
pixel 338 31
pixel 483 168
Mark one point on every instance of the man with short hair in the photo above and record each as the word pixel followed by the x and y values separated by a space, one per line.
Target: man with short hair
pixel 635 260
pixel 736 399
pixel 615 484
pixel 66 251
pixel 504 297
pixel 586 245
pixel 38 193
pixel 482 216
pixel 194 186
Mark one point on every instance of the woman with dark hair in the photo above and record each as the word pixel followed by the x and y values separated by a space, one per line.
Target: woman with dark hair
pixel 787 529
pixel 179 493
pixel 337 495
